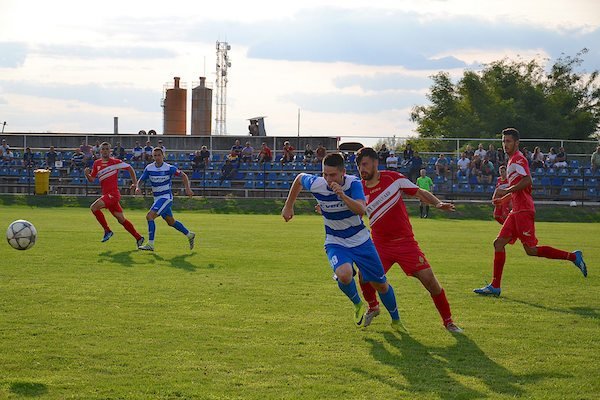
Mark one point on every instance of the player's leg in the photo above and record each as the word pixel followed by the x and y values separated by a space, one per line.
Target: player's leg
pixel 499 261
pixel 117 212
pixel 96 209
pixel 438 295
pixel 341 263
pixel 150 217
pixel 171 221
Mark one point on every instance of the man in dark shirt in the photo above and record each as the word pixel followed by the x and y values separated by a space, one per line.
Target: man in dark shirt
pixel 416 163
pixel 227 170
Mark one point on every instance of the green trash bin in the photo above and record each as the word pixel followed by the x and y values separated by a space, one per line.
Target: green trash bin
pixel 42 181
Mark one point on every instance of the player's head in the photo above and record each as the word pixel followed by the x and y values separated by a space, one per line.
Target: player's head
pixel 502 171
pixel 334 168
pixel 367 163
pixel 158 155
pixel 423 172
pixel 510 140
pixel 105 150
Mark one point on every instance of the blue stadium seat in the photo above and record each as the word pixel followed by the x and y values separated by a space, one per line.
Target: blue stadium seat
pixel 592 193
pixel 490 189
pixel 539 172
pixel 550 172
pixel 478 189
pixel 283 176
pixel 249 185
pixel 464 188
pixel 578 182
pixel 588 172
pixel 563 172
pixel 226 183
pixel 545 181
pixel 574 163
pixel 271 185
pixel 575 173
pixel 259 184
pixel 556 182
pixel 565 192
pixel 439 180
pixel 592 182
pixel 240 176
pixel 284 185
pixel 569 182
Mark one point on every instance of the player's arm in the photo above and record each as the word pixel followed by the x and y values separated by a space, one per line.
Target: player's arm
pixel 357 206
pixel 90 174
pixel 429 198
pixel 143 177
pixel 288 209
pixel 132 176
pixel 521 185
pixel 186 184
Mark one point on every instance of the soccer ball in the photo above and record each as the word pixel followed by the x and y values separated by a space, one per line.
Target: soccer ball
pixel 21 234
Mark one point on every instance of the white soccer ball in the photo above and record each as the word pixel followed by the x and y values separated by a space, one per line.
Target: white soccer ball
pixel 21 234
pixel 573 203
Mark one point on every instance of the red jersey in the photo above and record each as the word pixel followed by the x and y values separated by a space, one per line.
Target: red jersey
pixel 386 209
pixel 517 169
pixel 108 174
pixel 503 209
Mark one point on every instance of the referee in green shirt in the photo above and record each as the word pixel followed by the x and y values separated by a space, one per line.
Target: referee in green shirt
pixel 424 182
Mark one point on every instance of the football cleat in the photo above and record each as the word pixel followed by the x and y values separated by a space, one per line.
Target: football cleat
pixel 107 235
pixel 146 247
pixel 191 238
pixel 359 314
pixel 452 327
pixel 579 263
pixel 139 242
pixel 488 290
pixel 398 326
pixel 370 315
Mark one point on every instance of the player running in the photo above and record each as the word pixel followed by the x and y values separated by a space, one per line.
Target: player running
pixel 160 175
pixel 392 233
pixel 106 169
pixel 347 241
pixel 501 210
pixel 520 222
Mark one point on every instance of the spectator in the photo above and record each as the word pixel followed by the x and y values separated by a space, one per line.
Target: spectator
pixel 119 151
pixel 4 147
pixel 537 158
pixel 391 162
pixel 265 154
pixel 51 158
pixel 77 159
pixel 96 150
pixel 137 151
pixel 228 169
pixel 288 152
pixel 236 149
pixel 8 155
pixel 320 153
pixel 551 157
pixel 527 155
pixel 205 156
pixel 86 149
pixel 162 147
pixel 415 163
pixel 309 154
pixel 492 155
pixel 487 171
pixel 561 158
pixel 383 154
pixel 441 165
pixel 407 154
pixel 28 158
pixel 148 149
pixel 424 182
pixel 501 156
pixel 234 158
pixel 475 170
pixel 248 153
pixel 480 151
pixel 463 165
pixel 469 152
pixel 595 161
pixel 197 162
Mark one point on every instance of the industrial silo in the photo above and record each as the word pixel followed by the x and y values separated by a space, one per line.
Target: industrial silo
pixel 201 109
pixel 174 113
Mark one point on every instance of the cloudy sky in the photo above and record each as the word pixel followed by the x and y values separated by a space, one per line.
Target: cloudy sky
pixel 352 68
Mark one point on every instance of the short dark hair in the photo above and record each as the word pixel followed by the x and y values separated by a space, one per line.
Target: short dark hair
pixel 159 149
pixel 105 144
pixel 511 132
pixel 365 152
pixel 334 160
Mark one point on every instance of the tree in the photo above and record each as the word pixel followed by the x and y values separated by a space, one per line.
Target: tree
pixel 560 102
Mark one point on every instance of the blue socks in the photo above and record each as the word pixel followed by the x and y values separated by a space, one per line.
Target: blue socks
pixel 389 301
pixel 179 226
pixel 151 230
pixel 350 291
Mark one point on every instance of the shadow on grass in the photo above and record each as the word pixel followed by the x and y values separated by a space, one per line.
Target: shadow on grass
pixel 428 370
pixel 28 389
pixel 125 259
pixel 587 312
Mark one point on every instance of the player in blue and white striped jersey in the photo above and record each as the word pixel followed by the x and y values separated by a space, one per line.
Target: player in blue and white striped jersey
pixel 347 240
pixel 160 175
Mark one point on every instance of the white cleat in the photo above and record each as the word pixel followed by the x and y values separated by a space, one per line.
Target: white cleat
pixel 452 327
pixel 191 238
pixel 369 316
pixel 146 247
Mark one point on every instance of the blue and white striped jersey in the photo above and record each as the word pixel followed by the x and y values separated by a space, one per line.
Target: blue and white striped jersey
pixel 342 226
pixel 160 179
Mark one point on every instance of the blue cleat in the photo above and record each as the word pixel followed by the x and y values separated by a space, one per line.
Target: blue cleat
pixel 107 236
pixel 579 263
pixel 488 290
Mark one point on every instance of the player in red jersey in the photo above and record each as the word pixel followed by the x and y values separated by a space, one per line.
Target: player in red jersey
pixel 502 210
pixel 520 223
pixel 107 169
pixel 392 233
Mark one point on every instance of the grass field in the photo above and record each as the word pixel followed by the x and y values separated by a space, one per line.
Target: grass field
pixel 252 313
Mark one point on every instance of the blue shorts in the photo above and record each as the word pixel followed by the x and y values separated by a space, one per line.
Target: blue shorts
pixel 365 257
pixel 162 207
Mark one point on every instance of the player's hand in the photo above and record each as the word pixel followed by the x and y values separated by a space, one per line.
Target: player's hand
pixel 137 190
pixel 287 213
pixel 318 209
pixel 86 171
pixel 442 205
pixel 337 189
pixel 501 192
pixel 189 192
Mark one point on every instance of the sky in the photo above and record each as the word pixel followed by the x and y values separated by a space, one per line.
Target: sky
pixel 335 68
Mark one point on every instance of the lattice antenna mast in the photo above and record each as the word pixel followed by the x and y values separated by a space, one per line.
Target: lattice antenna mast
pixel 223 65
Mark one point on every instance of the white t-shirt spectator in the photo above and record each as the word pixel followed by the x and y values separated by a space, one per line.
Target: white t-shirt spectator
pixel 392 162
pixel 481 153
pixel 463 164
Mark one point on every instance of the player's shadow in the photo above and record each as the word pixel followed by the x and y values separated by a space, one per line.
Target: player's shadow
pixel 428 370
pixel 28 389
pixel 123 257
pixel 587 312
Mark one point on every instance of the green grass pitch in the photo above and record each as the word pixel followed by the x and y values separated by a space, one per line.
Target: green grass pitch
pixel 252 313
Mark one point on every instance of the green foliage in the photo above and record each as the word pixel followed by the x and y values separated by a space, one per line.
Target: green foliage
pixel 252 313
pixel 561 103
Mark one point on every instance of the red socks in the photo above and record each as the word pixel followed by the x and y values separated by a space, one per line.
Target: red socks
pixel 551 252
pixel 100 217
pixel 370 294
pixel 443 307
pixel 499 259
pixel 129 227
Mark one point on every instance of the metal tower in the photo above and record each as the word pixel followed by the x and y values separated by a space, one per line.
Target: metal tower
pixel 223 64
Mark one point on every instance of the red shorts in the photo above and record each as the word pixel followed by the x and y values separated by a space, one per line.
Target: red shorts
pixel 520 226
pixel 111 202
pixel 404 252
